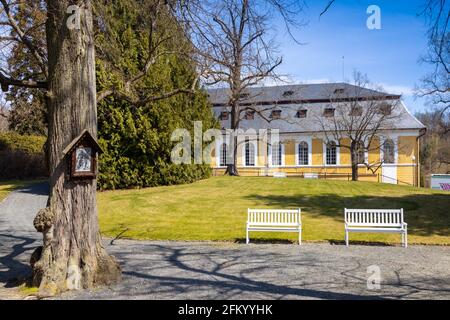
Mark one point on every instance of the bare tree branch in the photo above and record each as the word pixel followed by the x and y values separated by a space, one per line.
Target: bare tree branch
pixel 353 124
pixel 234 47
pixel 330 3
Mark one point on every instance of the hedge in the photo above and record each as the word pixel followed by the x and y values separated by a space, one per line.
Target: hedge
pixel 22 156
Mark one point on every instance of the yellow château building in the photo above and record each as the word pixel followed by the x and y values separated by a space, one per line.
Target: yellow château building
pixel 305 147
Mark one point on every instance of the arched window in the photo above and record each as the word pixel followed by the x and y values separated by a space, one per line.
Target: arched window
pixel 250 154
pixel 331 154
pixel 389 152
pixel 277 154
pixel 361 152
pixel 303 154
pixel 223 155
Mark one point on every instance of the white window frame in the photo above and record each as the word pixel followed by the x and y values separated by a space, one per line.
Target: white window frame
pixel 221 154
pixel 255 145
pixel 308 141
pixel 283 163
pixel 218 151
pixel 338 155
pixel 395 141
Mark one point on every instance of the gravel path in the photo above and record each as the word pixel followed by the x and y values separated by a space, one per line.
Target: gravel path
pixel 190 270
pixel 18 238
pixel 174 270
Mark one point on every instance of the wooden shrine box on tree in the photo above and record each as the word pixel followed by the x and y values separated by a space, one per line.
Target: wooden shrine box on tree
pixel 81 155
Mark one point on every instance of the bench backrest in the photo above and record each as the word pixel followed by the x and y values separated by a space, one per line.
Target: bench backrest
pixel 374 217
pixel 274 217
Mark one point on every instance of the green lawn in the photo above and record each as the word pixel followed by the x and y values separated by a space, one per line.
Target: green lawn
pixel 215 209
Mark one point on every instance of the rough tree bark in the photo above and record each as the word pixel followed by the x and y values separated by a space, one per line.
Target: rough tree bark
pixel 72 256
pixel 354 160
pixel 232 168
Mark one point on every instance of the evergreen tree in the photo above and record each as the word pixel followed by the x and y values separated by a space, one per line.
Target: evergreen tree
pixel 136 137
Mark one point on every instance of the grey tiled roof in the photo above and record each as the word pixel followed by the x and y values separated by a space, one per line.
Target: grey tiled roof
pixel 314 98
pixel 303 92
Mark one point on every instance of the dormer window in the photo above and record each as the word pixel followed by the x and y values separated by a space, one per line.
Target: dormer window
pixel 328 112
pixel 339 91
pixel 249 115
pixel 288 93
pixel 224 115
pixel 386 109
pixel 356 111
pixel 276 114
pixel 301 114
pixel 244 96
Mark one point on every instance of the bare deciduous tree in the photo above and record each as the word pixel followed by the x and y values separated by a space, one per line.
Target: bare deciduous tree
pixel 235 48
pixel 436 85
pixel 435 146
pixel 152 16
pixel 354 119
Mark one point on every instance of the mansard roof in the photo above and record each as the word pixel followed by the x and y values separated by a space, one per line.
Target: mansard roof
pixel 302 93
pixel 312 97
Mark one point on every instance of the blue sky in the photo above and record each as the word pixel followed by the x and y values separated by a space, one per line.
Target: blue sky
pixel 388 56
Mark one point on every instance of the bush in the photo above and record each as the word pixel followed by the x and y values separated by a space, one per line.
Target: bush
pixel 22 157
pixel 137 146
pixel 26 143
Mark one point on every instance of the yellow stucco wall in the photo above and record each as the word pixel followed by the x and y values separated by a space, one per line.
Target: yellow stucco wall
pixel 345 152
pixel 374 151
pixel 407 147
pixel 317 152
pixel 289 149
pixel 405 175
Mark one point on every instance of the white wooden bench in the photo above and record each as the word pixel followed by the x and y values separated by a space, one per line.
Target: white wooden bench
pixel 312 175
pixel 375 220
pixel 280 175
pixel 274 221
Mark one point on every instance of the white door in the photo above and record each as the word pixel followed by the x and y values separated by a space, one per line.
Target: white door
pixel 389 173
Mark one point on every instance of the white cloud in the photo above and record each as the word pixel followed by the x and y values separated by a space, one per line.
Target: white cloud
pixel 397 89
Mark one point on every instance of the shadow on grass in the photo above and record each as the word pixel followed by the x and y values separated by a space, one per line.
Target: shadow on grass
pixel 426 215
pixel 334 242
pixel 265 241
pixel 362 243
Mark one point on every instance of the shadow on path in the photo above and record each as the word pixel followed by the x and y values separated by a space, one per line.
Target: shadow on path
pixel 12 270
pixel 230 285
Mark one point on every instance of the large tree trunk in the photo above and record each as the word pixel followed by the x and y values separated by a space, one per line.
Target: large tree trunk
pixel 72 256
pixel 354 160
pixel 232 169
